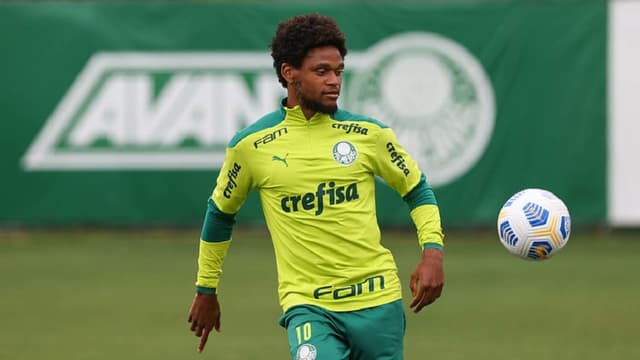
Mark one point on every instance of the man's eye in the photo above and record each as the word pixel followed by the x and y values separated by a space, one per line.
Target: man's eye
pixel 339 72
pixel 321 71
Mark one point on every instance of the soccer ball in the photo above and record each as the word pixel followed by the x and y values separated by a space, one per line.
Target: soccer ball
pixel 534 224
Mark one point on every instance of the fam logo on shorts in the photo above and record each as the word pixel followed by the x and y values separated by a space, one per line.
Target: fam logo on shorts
pixel 435 95
pixel 306 352
pixel 344 153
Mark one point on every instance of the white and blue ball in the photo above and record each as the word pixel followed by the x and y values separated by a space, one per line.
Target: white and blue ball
pixel 534 224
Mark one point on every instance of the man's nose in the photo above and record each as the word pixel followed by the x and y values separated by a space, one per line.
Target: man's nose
pixel 334 78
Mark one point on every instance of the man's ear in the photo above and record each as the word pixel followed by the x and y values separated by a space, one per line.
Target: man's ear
pixel 289 73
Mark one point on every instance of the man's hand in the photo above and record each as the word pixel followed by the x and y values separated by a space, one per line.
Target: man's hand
pixel 427 280
pixel 204 315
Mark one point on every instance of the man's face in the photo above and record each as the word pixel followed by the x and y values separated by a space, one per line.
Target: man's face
pixel 317 82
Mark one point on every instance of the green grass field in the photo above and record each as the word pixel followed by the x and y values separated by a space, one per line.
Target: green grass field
pixel 125 295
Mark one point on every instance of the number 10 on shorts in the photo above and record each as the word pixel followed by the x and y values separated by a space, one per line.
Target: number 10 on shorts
pixel 303 332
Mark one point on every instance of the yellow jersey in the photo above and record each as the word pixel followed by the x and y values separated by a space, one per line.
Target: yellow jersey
pixel 316 180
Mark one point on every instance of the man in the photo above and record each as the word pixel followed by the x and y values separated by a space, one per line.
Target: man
pixel 314 166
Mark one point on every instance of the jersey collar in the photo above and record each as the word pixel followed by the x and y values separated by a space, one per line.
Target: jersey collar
pixel 296 115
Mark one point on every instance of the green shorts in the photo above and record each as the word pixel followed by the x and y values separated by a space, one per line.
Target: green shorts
pixel 373 333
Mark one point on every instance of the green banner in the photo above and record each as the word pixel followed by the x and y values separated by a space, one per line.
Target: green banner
pixel 118 113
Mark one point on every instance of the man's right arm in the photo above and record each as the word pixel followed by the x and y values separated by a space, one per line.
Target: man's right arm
pixel 204 314
pixel 214 243
pixel 232 187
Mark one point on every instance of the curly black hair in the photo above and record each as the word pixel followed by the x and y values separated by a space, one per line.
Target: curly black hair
pixel 296 36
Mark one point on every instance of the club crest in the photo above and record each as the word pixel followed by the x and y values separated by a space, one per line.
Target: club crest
pixel 344 153
pixel 306 352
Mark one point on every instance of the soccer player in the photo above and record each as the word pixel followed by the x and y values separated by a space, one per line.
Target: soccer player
pixel 314 166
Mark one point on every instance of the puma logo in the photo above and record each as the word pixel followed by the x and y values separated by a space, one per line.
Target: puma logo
pixel 278 158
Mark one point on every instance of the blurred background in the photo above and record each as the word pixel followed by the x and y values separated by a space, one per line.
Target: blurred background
pixel 114 120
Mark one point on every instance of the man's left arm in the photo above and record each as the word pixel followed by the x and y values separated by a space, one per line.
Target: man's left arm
pixel 427 279
pixel 401 172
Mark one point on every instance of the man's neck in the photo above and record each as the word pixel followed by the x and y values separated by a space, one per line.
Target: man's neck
pixel 292 102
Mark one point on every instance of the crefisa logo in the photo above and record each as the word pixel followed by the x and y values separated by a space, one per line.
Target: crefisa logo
pixel 177 111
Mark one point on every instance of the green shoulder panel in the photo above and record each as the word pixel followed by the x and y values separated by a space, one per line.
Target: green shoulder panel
pixel 343 115
pixel 265 122
pixel 421 194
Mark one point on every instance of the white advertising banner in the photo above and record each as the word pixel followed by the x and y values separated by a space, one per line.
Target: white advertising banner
pixel 624 114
